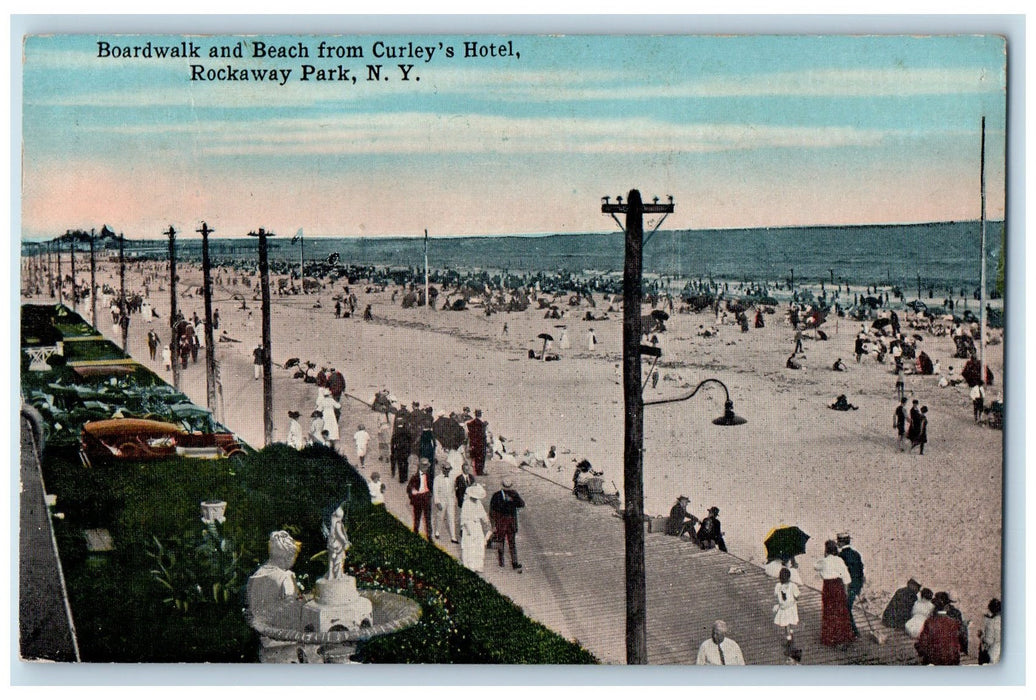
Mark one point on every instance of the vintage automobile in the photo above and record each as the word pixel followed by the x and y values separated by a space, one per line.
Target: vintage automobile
pixel 141 439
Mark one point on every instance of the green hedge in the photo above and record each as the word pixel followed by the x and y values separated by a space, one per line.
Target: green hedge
pixel 117 603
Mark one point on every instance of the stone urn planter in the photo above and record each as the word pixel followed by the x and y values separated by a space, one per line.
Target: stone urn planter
pixel 213 511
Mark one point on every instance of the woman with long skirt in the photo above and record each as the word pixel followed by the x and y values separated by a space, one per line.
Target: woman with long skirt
pixel 836 626
pixel 475 529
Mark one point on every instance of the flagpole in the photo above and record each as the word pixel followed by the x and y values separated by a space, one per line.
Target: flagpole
pixel 302 261
pixel 427 299
pixel 982 273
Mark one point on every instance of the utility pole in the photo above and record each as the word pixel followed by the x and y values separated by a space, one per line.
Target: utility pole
pixel 210 350
pixel 122 289
pixel 61 284
pixel 982 273
pixel 264 284
pixel 50 270
pixel 174 327
pixel 93 282
pixel 633 452
pixel 72 253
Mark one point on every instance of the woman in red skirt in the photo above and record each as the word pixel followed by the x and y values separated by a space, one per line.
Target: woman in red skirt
pixel 836 626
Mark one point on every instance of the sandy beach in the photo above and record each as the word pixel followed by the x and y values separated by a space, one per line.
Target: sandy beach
pixel 935 517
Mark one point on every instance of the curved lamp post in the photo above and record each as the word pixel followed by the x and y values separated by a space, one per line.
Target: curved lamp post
pixel 728 417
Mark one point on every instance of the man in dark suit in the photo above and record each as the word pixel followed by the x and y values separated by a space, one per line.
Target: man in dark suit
pixel 399 449
pixel 854 563
pixel 419 490
pixel 461 484
pixel 503 514
pixel 897 612
pixel 477 443
pixel 710 534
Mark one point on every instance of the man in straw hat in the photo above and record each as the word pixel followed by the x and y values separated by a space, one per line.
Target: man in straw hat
pixel 681 521
pixel 503 512
pixel 445 502
pixel 853 562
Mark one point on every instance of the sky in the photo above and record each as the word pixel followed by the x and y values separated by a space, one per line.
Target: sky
pixel 742 131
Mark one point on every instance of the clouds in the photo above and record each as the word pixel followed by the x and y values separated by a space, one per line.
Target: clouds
pixel 784 130
pixel 425 133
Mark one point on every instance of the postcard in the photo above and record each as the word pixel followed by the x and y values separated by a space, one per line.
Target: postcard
pixel 574 349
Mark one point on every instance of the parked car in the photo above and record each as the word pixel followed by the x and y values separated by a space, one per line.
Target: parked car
pixel 140 438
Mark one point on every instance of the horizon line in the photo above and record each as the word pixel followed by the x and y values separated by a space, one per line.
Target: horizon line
pixel 549 234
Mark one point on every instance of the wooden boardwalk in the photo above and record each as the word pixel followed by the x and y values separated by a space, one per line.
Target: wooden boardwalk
pixel 573 582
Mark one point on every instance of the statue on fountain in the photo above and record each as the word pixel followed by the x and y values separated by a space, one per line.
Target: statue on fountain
pixel 337 545
pixel 337 603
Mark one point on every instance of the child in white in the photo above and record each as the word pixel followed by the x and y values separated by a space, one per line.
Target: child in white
pixel 377 489
pixel 295 431
pixel 362 438
pixel 787 607
pixel 316 428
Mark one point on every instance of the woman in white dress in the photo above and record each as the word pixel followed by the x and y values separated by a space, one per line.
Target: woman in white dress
pixel 922 610
pixel 327 405
pixel 475 528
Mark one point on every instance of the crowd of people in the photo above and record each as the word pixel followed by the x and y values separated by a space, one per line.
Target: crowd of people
pixel 449 452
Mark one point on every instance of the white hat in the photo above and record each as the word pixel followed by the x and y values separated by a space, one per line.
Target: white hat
pixel 475 491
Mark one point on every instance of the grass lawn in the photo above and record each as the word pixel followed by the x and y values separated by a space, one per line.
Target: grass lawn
pixel 123 613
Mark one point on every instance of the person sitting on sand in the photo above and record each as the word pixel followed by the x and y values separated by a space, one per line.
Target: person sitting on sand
pixel 899 609
pixel 224 338
pixel 838 366
pixel 842 404
pixel 791 363
pixel 581 479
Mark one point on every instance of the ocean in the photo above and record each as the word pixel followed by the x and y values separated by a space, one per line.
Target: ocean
pixel 945 255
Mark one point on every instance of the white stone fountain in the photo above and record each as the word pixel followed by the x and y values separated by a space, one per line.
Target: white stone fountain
pixel 324 627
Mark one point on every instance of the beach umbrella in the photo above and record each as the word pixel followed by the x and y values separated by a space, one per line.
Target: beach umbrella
pixel 450 434
pixel 785 542
pixel 547 338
